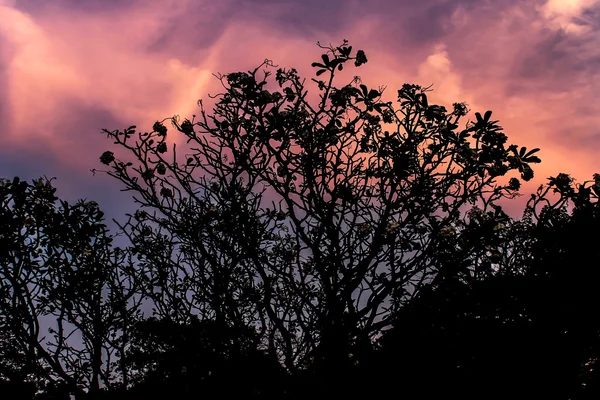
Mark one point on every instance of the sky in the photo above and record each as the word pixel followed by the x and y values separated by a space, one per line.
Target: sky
pixel 69 68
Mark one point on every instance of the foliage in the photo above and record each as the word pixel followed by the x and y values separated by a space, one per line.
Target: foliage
pixel 60 277
pixel 511 334
pixel 310 223
pixel 200 357
pixel 346 246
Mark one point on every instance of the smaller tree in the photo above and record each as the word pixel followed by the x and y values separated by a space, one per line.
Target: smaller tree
pixel 61 278
pixel 530 321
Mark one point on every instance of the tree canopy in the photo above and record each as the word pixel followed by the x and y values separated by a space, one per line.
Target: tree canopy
pixel 284 246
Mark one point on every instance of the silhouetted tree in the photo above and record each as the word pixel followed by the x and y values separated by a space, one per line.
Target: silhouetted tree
pixel 200 358
pixel 529 330
pixel 15 368
pixel 343 247
pixel 60 278
pixel 564 258
pixel 311 224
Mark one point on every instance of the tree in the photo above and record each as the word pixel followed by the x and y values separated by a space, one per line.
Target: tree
pixel 61 278
pixel 15 369
pixel 311 224
pixel 530 323
pixel 566 228
pixel 185 360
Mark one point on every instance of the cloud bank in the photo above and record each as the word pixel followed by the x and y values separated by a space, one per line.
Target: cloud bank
pixel 70 68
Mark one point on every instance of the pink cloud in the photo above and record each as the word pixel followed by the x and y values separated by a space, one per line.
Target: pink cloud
pixel 139 61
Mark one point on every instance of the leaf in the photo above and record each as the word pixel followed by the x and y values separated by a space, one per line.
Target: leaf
pixel 364 90
pixel 532 159
pixel 315 64
pixel 321 71
pixel 478 116
pixel 532 152
pixel 325 58
pixel 373 94
pixel 487 115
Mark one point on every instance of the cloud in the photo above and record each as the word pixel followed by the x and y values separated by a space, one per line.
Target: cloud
pixel 69 68
pixel 569 15
pixel 68 62
pixel 437 70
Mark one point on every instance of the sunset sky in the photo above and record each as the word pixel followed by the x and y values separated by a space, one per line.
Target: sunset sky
pixel 69 68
